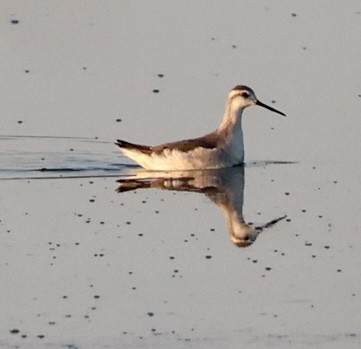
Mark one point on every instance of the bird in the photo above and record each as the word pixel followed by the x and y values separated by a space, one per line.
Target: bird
pixel 224 147
pixel 224 187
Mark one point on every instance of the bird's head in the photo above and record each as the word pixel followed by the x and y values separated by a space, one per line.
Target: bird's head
pixel 241 97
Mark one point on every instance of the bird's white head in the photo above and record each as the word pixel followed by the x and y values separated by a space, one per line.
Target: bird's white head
pixel 241 97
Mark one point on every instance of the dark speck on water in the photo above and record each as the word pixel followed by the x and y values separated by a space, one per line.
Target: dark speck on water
pixel 160 75
pixel 155 91
pixel 294 15
pixel 14 21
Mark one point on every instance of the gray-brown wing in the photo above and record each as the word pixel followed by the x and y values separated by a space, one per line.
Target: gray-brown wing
pixel 209 141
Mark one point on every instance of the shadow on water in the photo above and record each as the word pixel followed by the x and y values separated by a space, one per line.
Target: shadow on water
pixel 224 187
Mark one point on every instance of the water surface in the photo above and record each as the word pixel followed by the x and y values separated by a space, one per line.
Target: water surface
pixel 258 257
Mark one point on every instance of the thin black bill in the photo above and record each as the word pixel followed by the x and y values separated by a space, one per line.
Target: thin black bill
pixel 269 108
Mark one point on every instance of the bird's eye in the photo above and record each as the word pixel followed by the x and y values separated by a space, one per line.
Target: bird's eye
pixel 245 94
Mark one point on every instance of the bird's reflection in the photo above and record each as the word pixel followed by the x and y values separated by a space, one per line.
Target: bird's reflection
pixel 225 187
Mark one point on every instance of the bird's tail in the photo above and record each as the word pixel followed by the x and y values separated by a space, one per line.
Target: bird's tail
pixel 123 144
pixel 145 149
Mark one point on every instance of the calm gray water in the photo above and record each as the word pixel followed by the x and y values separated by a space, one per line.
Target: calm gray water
pixel 97 253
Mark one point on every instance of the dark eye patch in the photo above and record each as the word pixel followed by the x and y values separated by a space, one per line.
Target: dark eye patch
pixel 245 94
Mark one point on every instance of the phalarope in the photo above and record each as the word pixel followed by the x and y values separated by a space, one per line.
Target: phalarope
pixel 224 187
pixel 223 147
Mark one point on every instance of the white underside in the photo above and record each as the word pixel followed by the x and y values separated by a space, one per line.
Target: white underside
pixel 198 158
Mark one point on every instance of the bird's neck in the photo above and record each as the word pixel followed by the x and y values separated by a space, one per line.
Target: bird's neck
pixel 232 121
pixel 230 131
